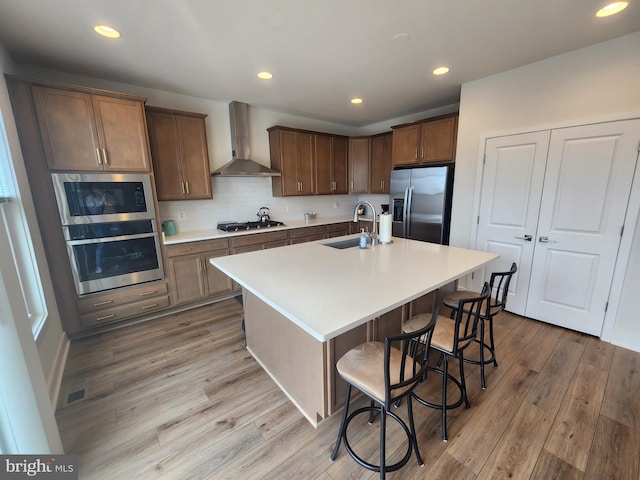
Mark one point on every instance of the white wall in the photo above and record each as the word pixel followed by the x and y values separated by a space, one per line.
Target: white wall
pixel 598 83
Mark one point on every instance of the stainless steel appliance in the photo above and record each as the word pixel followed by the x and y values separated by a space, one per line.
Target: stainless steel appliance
pixel 103 197
pixel 108 222
pixel 420 202
pixel 237 226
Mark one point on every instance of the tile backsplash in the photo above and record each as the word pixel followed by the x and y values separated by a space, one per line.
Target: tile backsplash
pixel 240 198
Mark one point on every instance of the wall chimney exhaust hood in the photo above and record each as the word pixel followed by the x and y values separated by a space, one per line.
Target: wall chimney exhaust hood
pixel 241 165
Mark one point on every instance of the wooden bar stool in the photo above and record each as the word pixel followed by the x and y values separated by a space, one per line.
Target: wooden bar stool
pixel 386 373
pixel 450 339
pixel 499 284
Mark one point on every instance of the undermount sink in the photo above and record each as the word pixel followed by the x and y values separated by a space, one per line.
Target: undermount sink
pixel 342 244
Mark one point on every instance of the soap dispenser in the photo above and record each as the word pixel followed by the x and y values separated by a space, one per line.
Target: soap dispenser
pixel 363 239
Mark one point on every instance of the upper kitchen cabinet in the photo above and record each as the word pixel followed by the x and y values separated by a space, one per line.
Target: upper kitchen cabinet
pixel 359 151
pixel 82 131
pixel 429 141
pixel 179 153
pixel 330 154
pixel 380 167
pixel 292 155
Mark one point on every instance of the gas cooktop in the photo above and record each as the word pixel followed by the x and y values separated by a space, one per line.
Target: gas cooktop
pixel 236 226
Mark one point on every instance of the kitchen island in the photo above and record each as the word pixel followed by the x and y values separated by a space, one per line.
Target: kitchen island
pixel 307 304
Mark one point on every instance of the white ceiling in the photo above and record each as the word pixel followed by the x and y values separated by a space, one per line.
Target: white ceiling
pixel 322 52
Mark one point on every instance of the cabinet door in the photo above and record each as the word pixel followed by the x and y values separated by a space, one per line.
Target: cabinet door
pixel 187 278
pixel 380 163
pixel 165 150
pixel 406 141
pixel 305 164
pixel 68 129
pixel 123 134
pixel 195 156
pixel 288 160
pixel 359 165
pixel 438 143
pixel 340 165
pixel 217 282
pixel 322 153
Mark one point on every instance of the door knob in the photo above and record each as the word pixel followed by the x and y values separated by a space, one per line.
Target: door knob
pixel 526 238
pixel 546 240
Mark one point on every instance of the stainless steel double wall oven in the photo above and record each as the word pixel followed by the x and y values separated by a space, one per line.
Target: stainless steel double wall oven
pixel 109 225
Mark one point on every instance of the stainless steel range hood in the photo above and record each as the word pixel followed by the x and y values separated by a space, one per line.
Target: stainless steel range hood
pixel 242 165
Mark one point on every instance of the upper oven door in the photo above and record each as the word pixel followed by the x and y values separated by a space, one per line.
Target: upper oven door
pixel 103 197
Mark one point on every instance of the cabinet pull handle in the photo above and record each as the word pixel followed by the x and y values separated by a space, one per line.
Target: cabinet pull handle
pixel 422 152
pixel 147 293
pixel 382 185
pixel 416 155
pixel 104 156
pixel 105 302
pixel 98 156
pixel 352 185
pixel 105 317
pixel 186 187
pixel 151 305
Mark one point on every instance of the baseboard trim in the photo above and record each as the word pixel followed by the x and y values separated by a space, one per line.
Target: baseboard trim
pixel 54 379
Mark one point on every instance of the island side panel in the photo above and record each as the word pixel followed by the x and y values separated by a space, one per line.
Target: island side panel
pixel 293 358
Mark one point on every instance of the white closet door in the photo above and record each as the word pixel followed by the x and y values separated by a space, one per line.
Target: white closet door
pixel 510 201
pixel 588 179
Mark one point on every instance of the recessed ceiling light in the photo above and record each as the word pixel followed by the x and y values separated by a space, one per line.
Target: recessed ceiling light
pixel 441 70
pixel 356 101
pixel 107 31
pixel 612 9
pixel 265 75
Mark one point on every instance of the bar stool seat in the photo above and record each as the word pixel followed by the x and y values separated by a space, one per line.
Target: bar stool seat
pixel 386 373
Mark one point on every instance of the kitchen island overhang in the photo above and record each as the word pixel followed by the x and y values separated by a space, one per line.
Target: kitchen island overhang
pixel 302 301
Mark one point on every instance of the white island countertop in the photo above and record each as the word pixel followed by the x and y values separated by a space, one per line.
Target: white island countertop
pixel 328 291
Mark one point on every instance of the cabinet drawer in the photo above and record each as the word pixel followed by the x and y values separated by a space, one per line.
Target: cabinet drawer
pixel 115 314
pixel 120 296
pixel 310 238
pixel 338 229
pixel 307 231
pixel 258 238
pixel 197 247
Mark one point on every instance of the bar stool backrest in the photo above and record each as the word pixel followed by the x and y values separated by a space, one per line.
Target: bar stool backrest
pixel 467 318
pixel 499 284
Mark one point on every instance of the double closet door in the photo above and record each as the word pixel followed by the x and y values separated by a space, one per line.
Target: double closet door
pixel 555 202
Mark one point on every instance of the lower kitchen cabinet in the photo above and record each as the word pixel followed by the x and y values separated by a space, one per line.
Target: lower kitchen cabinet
pixel 122 303
pixel 191 274
pixel 259 241
pixel 307 234
pixel 338 229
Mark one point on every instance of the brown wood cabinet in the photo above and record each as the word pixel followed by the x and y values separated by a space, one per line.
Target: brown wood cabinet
pixel 359 151
pixel 330 156
pixel 87 132
pixel 119 304
pixel 428 141
pixel 292 155
pixel 179 153
pixel 307 234
pixel 380 165
pixel 259 241
pixel 339 229
pixel 192 277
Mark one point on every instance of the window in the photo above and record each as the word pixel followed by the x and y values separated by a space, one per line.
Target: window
pixel 13 217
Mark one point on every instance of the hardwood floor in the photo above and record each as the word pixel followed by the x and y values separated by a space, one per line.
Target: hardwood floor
pixel 180 398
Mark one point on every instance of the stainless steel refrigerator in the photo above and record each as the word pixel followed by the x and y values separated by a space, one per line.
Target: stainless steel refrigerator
pixel 420 202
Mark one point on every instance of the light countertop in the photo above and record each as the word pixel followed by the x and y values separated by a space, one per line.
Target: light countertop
pixel 328 291
pixel 211 233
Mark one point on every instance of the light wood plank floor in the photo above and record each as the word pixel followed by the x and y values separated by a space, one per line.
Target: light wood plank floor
pixel 180 398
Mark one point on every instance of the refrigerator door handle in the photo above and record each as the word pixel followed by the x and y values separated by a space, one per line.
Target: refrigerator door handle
pixel 406 226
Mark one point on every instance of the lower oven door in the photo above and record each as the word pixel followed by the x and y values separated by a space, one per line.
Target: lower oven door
pixel 105 263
